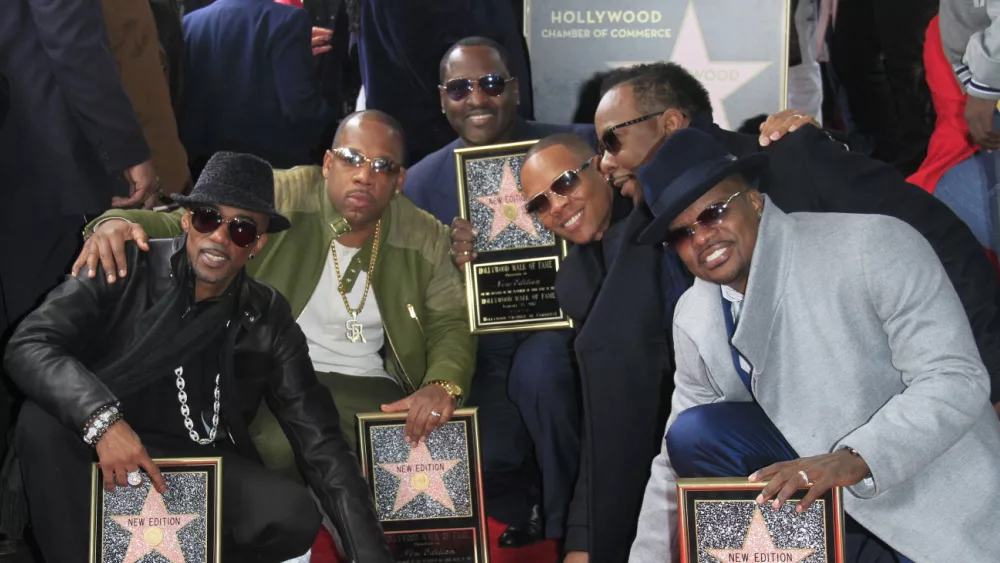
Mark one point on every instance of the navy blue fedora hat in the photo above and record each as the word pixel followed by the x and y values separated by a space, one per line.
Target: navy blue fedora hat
pixel 687 165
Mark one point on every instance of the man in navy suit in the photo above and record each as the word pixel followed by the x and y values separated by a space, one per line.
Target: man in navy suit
pixel 250 85
pixel 400 45
pixel 524 385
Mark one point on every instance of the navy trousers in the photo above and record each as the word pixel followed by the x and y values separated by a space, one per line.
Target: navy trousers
pixel 736 439
pixel 529 423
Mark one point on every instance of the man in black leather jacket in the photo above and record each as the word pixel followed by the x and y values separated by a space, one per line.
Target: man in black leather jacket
pixel 102 364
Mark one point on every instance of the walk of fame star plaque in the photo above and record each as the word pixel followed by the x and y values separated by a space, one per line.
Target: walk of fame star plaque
pixel 139 525
pixel 428 496
pixel 511 284
pixel 721 522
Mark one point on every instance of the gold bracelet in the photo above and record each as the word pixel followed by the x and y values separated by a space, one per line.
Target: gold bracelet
pixel 452 389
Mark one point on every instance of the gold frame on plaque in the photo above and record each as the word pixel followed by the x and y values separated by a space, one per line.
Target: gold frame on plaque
pixel 561 246
pixel 98 489
pixel 467 415
pixel 685 487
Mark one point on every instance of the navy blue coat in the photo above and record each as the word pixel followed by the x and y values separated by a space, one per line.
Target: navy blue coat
pixel 401 45
pixel 433 186
pixel 250 83
pixel 71 131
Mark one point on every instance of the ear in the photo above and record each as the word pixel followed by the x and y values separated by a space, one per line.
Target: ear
pixel 186 221
pixel 259 245
pixel 443 97
pixel 756 200
pixel 327 163
pixel 515 90
pixel 671 121
pixel 400 181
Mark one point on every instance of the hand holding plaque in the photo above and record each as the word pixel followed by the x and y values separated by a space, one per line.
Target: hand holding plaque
pixel 511 285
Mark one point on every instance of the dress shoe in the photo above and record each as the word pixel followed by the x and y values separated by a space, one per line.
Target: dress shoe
pixel 528 532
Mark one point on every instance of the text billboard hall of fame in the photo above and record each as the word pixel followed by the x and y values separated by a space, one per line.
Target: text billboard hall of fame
pixel 721 522
pixel 737 48
pixel 139 525
pixel 511 284
pixel 428 496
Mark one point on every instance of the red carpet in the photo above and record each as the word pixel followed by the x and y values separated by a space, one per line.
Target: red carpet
pixel 545 552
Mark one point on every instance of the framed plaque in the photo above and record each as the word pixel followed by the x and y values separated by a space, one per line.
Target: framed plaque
pixel 721 522
pixel 139 524
pixel 428 497
pixel 511 286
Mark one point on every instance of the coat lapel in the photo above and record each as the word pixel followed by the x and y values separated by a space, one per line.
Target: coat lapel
pixel 768 272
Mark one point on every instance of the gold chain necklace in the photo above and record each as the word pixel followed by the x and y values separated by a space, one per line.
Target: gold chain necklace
pixel 355 330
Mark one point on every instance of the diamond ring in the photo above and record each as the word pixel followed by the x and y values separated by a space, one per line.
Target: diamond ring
pixel 134 478
pixel 805 477
pixel 436 413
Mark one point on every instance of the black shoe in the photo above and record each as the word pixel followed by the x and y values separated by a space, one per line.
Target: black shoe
pixel 528 532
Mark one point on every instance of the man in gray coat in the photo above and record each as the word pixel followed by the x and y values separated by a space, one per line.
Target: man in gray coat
pixel 830 346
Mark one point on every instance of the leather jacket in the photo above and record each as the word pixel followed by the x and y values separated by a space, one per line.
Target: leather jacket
pixel 84 322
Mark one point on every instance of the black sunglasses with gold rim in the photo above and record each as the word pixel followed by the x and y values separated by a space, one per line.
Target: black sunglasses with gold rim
pixel 565 185
pixel 609 140
pixel 356 159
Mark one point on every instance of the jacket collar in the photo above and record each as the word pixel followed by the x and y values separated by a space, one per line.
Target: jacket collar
pixel 180 274
pixel 769 267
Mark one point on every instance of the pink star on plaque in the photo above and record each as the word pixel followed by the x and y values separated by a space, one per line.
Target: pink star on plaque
pixel 421 474
pixel 154 529
pixel 759 546
pixel 508 206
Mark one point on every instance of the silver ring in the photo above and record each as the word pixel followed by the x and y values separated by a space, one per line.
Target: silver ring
pixel 805 477
pixel 798 115
pixel 436 413
pixel 134 478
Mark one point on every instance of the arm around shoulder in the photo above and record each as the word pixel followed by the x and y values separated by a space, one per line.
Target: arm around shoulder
pixel 156 224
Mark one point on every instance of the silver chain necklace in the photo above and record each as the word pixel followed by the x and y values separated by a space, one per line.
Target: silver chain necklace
pixel 186 411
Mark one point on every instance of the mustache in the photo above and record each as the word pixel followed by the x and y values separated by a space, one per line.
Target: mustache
pixel 359 192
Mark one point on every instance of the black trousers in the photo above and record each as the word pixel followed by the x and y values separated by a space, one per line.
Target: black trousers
pixel 265 517
pixel 877 55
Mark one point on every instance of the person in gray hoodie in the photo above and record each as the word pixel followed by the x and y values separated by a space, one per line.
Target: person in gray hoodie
pixel 970 33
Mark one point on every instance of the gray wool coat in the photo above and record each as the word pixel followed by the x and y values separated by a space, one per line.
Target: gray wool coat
pixel 856 338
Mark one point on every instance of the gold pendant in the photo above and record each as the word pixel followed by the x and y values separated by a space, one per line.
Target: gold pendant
pixel 355 330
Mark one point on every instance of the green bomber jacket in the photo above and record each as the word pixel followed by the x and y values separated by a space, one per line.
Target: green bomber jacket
pixel 420 294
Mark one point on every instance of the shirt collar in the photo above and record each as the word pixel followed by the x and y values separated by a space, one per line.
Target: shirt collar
pixel 731 295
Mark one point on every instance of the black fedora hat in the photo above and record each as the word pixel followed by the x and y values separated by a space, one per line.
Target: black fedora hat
pixel 685 167
pixel 237 180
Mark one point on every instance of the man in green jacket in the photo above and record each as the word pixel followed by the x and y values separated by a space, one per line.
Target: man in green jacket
pixel 368 275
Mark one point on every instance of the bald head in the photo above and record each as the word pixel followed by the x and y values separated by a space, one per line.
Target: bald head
pixel 360 121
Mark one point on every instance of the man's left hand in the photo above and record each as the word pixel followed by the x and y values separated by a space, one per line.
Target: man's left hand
pixel 321 40
pixel 429 408
pixel 785 121
pixel 838 469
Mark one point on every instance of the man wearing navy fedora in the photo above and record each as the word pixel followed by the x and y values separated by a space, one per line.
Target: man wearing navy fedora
pixel 173 361
pixel 818 350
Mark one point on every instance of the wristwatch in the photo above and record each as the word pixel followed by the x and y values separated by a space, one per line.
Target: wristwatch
pixel 452 389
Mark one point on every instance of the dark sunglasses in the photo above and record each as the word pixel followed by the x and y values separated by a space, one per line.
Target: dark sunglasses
pixel 610 141
pixel 459 88
pixel 564 186
pixel 356 159
pixel 206 221
pixel 708 218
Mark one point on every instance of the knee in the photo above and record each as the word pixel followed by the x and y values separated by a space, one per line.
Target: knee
pixel 690 430
pixel 542 368
pixel 287 528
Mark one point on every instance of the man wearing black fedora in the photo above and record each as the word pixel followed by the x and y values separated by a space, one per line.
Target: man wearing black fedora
pixel 817 350
pixel 172 361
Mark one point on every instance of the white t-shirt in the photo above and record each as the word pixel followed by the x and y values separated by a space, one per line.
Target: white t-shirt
pixel 324 322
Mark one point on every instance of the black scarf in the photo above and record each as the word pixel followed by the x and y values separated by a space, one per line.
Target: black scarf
pixel 162 336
